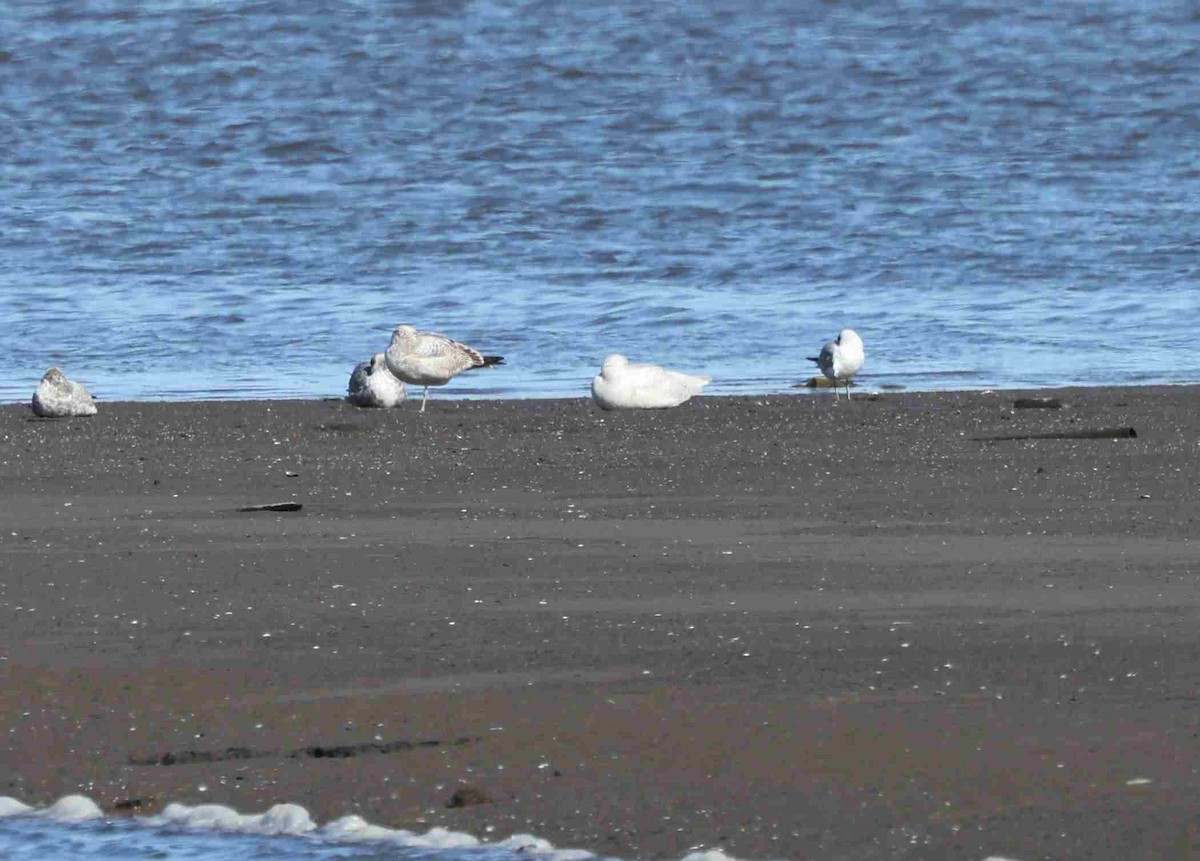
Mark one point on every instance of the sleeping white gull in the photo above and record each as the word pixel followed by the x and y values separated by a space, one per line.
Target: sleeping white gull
pixel 841 359
pixel 621 385
pixel 373 385
pixel 58 397
pixel 429 359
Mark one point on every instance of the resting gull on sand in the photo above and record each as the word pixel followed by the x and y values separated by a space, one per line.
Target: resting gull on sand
pixel 373 385
pixel 58 397
pixel 429 359
pixel 841 359
pixel 621 385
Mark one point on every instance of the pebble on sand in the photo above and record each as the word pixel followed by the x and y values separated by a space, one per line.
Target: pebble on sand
pixel 468 795
pixel 58 397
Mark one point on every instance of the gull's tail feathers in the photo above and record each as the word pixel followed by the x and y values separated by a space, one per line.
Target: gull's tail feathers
pixel 487 362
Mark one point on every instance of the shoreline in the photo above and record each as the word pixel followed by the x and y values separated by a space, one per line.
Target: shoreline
pixel 447 394
pixel 763 624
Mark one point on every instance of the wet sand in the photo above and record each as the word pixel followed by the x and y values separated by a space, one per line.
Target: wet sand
pixel 775 626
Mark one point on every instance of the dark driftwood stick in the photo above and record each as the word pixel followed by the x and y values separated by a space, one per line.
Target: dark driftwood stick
pixel 1099 433
pixel 1037 404
pixel 274 506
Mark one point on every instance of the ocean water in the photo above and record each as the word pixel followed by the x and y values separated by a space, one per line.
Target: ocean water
pixel 73 829
pixel 241 198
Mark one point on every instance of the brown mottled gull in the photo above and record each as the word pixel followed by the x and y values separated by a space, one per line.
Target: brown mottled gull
pixel 429 359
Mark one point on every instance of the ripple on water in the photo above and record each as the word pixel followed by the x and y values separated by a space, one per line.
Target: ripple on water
pixel 992 194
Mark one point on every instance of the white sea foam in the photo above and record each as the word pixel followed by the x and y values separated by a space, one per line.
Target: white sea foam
pixel 355 829
pixel 12 807
pixel 527 844
pixel 280 819
pixel 707 855
pixel 70 808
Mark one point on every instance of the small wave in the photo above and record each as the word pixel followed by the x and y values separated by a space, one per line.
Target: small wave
pixel 216 318
pixel 302 151
pixel 295 199
pixel 292 820
pixel 572 73
pixel 502 154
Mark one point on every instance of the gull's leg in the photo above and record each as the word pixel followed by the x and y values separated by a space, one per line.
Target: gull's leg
pixel 847 390
pixel 424 399
pixel 837 392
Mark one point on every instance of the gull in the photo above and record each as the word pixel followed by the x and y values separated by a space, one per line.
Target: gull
pixel 621 385
pixel 57 397
pixel 841 359
pixel 429 359
pixel 373 385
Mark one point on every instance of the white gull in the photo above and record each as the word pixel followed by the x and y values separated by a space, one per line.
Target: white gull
pixel 841 359
pixel 621 385
pixel 373 385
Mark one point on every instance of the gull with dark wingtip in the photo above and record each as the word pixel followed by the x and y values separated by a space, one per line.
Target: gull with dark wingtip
pixel 841 359
pixel 373 385
pixel 429 359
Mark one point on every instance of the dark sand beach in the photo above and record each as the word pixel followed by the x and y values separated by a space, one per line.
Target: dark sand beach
pixel 774 626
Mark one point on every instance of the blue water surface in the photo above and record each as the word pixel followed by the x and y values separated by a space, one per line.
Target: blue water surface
pixel 123 840
pixel 242 198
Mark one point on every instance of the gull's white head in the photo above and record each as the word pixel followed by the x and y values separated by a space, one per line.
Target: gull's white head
pixel 848 338
pixel 613 363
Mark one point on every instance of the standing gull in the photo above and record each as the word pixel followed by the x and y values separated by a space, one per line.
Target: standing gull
pixel 621 385
pixel 373 385
pixel 428 359
pixel 841 359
